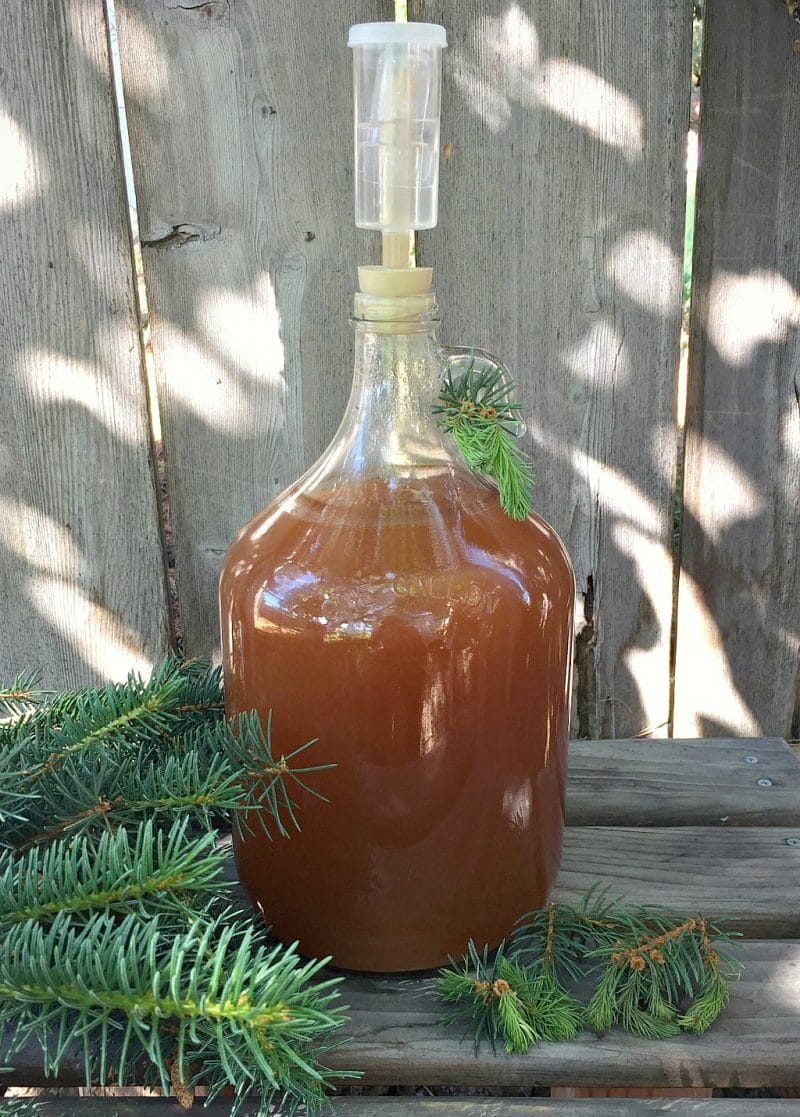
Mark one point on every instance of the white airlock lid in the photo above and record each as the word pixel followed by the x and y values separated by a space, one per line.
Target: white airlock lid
pixel 368 34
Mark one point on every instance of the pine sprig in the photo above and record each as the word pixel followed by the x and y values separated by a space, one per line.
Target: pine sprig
pixel 114 929
pixel 655 962
pixel 476 408
pixel 501 999
pixel 21 697
pixel 136 712
pixel 214 1002
pixel 267 780
pixel 14 800
pixel 138 870
pixel 93 793
pixel 207 772
pixel 488 998
pixel 655 973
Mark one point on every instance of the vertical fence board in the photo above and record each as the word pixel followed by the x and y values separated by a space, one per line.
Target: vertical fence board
pixel 559 247
pixel 739 598
pixel 241 130
pixel 81 575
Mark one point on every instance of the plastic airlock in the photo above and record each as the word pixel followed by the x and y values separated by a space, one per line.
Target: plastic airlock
pixel 397 93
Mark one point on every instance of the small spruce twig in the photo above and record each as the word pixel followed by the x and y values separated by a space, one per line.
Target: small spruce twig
pixel 138 870
pixel 21 697
pixel 476 409
pixel 490 997
pixel 655 973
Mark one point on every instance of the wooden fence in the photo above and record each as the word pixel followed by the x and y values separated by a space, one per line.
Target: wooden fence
pixel 559 248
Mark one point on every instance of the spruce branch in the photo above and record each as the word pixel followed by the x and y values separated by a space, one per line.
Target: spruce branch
pixel 655 973
pixel 21 697
pixel 476 409
pixel 487 999
pixel 15 802
pixel 223 1007
pixel 208 772
pixel 108 791
pixel 656 964
pixel 115 932
pixel 503 999
pixel 267 780
pixel 143 713
pixel 138 870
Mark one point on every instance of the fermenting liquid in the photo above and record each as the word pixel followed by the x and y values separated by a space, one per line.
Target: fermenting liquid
pixel 424 639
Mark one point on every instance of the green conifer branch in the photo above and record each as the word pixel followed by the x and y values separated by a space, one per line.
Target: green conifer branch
pixel 140 869
pixel 14 800
pixel 206 771
pixel 502 999
pixel 21 697
pixel 227 1009
pixel 476 409
pixel 114 929
pixel 656 973
pixel 144 713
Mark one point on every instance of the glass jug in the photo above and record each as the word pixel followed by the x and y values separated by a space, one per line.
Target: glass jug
pixel 385 605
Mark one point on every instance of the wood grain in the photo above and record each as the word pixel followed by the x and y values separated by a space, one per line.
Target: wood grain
pixel 241 130
pixel 433 1107
pixel 683 783
pixel 747 877
pixel 81 575
pixel 397 1038
pixel 558 248
pixel 738 651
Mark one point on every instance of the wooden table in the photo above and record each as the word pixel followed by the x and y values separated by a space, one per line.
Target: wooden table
pixel 713 825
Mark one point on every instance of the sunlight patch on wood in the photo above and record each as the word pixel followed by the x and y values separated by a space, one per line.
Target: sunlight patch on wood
pixel 746 310
pixel 22 172
pixel 94 632
pixel 640 251
pixel 707 689
pixel 736 499
pixel 510 44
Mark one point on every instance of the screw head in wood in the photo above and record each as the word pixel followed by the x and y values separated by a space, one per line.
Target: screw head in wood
pixel 751 760
pixel 793 841
pixel 764 783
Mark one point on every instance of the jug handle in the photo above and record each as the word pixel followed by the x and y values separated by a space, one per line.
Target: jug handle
pixel 459 359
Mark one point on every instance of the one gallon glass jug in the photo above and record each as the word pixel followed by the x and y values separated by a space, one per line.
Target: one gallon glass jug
pixel 387 606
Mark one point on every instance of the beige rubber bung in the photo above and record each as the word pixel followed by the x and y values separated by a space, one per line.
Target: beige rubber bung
pixel 398 282
pixel 393 295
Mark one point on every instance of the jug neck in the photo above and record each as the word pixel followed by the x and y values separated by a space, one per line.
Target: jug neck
pixel 388 424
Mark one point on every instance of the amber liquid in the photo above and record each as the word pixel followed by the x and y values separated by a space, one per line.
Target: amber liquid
pixel 425 639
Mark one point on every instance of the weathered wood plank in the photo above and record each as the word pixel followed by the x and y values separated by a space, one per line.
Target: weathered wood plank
pixel 738 651
pixel 594 1107
pixel 559 245
pixel 683 783
pixel 397 1038
pixel 81 575
pixel 241 129
pixel 435 1107
pixel 747 877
